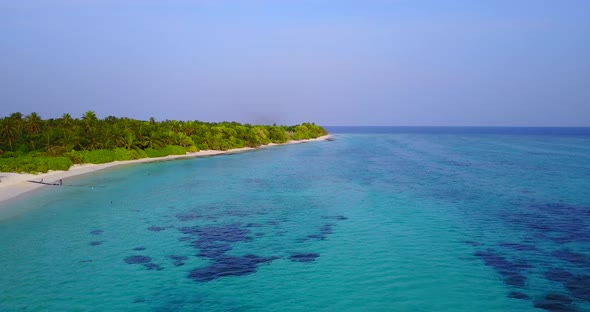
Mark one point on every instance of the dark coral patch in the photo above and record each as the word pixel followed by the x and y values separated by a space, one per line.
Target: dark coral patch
pixel 178 260
pixel 556 222
pixel 518 247
pixel 156 228
pixel 518 295
pixel 341 218
pixel 572 257
pixel 212 250
pixel 189 230
pixel 251 225
pixel 325 230
pixel 96 232
pixel 304 257
pixel 137 259
pixel 140 248
pixel 214 241
pixel 558 275
pixel 95 243
pixel 514 279
pixel 510 271
pixel 152 266
pixel 184 238
pixel 579 287
pixel 555 303
pixel 224 233
pixel 229 266
pixel 187 216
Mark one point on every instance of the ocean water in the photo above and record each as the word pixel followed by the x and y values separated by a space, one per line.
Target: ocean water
pixel 379 219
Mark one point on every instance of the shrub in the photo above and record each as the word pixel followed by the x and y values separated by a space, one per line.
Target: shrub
pixel 75 156
pixel 139 153
pixel 123 154
pixel 36 164
pixel 168 150
pixel 99 156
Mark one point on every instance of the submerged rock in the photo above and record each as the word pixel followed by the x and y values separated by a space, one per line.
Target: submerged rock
pixel 518 295
pixel 518 246
pixel 178 260
pixel 229 266
pixel 558 275
pixel 224 233
pixel 188 216
pixel 555 303
pixel 572 257
pixel 213 250
pixel 152 266
pixel 341 218
pixel 509 270
pixel 304 257
pixel 137 259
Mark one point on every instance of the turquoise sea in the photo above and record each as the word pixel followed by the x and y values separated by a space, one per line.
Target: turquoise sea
pixel 379 219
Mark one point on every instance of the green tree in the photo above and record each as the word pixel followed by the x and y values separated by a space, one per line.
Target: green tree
pixel 33 123
pixel 125 138
pixel 9 130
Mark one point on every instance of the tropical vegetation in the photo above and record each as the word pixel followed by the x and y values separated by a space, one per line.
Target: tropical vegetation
pixel 32 144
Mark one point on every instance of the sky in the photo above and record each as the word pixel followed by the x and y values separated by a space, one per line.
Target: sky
pixel 378 63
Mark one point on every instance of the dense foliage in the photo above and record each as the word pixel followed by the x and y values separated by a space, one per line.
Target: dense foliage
pixel 31 144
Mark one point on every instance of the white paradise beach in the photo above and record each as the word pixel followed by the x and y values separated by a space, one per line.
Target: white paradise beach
pixel 14 184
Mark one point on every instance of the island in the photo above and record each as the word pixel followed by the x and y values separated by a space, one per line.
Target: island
pixel 47 151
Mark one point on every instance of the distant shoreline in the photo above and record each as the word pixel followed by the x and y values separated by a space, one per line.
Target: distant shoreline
pixel 15 184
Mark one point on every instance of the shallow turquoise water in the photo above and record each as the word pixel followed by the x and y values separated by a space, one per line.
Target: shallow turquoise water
pixel 368 222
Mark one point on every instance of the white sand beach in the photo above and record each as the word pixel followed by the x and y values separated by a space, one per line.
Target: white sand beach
pixel 15 184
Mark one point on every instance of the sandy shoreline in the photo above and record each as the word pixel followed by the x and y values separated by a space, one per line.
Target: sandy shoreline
pixel 15 184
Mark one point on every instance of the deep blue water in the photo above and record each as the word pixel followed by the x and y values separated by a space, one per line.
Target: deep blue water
pixel 578 131
pixel 379 219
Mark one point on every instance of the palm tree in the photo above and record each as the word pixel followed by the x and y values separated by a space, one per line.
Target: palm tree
pixel 130 141
pixel 152 141
pixel 89 119
pixel 92 141
pixel 175 126
pixel 107 138
pixel 9 130
pixel 66 120
pixel 188 128
pixel 16 116
pixel 33 123
pixel 68 139
pixel 118 136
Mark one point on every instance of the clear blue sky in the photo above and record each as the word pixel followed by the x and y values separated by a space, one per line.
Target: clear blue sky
pixel 465 63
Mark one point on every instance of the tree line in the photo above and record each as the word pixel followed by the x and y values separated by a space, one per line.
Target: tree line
pixel 32 144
